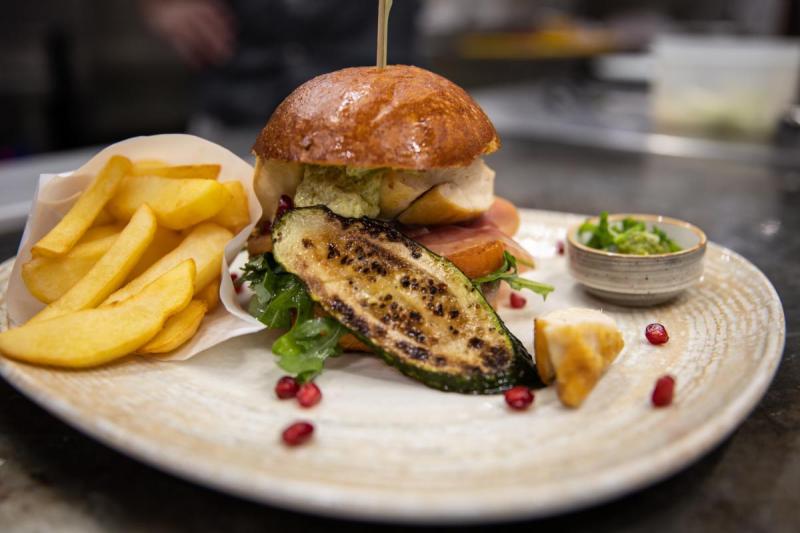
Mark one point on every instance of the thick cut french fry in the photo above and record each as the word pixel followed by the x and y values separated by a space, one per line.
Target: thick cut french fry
pixel 164 241
pixel 205 244
pixel 100 232
pixel 178 329
pixel 200 172
pixel 236 213
pixel 210 295
pixel 48 279
pixel 110 271
pixel 141 164
pixel 103 218
pixel 95 336
pixel 80 217
pixel 178 204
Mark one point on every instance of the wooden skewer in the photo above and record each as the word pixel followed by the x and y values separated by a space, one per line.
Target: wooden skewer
pixel 383 31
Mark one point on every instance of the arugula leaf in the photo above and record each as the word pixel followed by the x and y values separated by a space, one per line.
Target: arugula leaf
pixel 279 297
pixel 508 273
pixel 304 349
pixel 281 301
pixel 290 302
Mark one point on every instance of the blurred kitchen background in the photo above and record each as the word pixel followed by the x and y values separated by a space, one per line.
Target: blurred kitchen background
pixel 705 79
pixel 82 72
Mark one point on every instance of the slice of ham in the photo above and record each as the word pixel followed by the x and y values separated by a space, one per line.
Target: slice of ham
pixel 449 240
pixel 502 214
pixel 467 244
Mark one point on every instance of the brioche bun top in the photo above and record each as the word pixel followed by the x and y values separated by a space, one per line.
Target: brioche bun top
pixel 401 117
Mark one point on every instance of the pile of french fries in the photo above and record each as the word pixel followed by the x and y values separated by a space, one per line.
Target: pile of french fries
pixel 133 267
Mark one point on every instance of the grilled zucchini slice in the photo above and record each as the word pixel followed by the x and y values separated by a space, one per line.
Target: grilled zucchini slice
pixel 412 307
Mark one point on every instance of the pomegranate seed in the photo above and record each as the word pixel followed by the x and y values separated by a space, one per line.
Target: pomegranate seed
pixel 286 387
pixel 309 395
pixel 236 286
pixel 517 301
pixel 284 204
pixel 663 391
pixel 519 397
pixel 560 247
pixel 297 433
pixel 656 333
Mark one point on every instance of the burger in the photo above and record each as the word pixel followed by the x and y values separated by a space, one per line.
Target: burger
pixel 376 176
pixel 399 144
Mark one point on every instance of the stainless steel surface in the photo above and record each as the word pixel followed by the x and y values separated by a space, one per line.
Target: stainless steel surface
pixel 601 116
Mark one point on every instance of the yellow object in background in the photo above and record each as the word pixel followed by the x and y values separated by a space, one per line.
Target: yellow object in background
pixel 557 38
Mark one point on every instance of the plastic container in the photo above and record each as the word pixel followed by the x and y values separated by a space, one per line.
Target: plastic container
pixel 735 88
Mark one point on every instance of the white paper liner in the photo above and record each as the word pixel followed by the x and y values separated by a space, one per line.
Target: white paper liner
pixel 56 193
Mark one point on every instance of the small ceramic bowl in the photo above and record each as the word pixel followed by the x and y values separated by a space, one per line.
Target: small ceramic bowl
pixel 639 280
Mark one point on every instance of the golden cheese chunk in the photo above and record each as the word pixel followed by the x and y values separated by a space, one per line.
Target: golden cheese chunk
pixel 574 347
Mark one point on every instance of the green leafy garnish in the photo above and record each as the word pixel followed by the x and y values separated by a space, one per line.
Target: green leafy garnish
pixel 304 349
pixel 628 236
pixel 281 301
pixel 279 296
pixel 508 273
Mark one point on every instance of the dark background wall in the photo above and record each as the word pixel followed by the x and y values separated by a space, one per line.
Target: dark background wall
pixel 78 72
pixel 82 72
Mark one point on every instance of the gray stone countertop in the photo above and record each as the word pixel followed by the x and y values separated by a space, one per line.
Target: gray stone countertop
pixel 53 478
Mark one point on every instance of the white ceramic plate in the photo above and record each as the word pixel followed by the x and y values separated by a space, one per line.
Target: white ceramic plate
pixel 388 448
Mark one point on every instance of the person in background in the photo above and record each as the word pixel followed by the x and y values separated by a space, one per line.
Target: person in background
pixel 250 54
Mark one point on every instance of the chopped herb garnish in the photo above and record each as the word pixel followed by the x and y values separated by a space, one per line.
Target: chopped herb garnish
pixel 628 236
pixel 508 273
